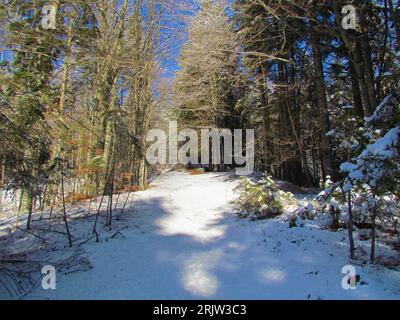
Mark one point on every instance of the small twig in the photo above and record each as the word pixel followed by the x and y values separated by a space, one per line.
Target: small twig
pixel 54 231
pixel 31 233
pixel 115 234
pixel 95 236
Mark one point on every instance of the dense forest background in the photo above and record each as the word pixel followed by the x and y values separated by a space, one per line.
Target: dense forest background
pixel 77 101
pixel 290 70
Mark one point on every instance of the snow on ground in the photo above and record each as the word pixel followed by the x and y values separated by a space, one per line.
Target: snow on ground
pixel 182 241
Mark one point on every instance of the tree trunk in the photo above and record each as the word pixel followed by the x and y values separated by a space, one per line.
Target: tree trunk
pixel 263 87
pixel 367 63
pixel 373 233
pixel 325 150
pixel 65 212
pixel 1 178
pixel 109 135
pixel 355 86
pixel 67 61
pixel 350 225
pixel 30 208
pixel 355 52
pixel 395 20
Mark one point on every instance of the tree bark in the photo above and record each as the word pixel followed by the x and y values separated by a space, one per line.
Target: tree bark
pixel 367 63
pixel 373 233
pixel 1 178
pixel 65 212
pixel 325 150
pixel 30 208
pixel 355 86
pixel 355 53
pixel 67 61
pixel 350 225
pixel 395 20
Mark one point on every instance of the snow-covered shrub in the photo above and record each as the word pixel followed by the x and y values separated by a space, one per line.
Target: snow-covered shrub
pixel 378 165
pixel 331 203
pixel 261 199
pixel 373 176
pixel 305 211
pixel 369 191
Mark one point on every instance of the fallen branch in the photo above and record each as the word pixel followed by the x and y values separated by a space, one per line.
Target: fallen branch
pixel 95 236
pixel 31 233
pixel 115 234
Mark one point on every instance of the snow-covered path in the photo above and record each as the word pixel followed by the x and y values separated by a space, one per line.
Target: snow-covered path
pixel 183 242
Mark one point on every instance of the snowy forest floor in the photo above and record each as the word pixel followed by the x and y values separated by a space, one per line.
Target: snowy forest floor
pixel 180 239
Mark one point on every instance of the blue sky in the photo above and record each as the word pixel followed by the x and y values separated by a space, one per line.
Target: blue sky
pixel 175 28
